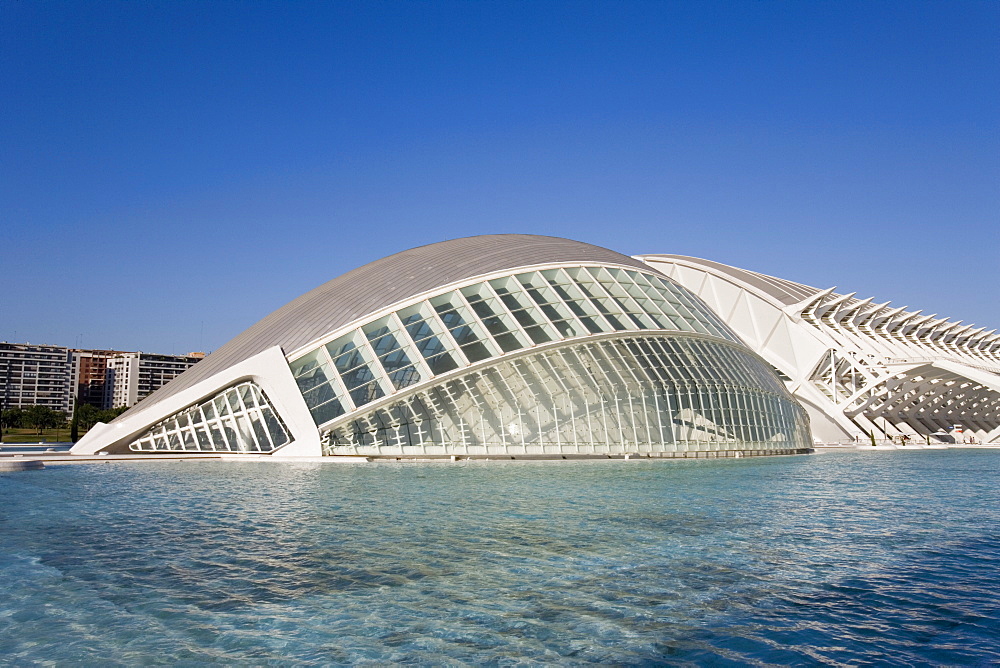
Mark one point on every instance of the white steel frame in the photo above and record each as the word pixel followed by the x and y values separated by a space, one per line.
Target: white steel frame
pixel 862 368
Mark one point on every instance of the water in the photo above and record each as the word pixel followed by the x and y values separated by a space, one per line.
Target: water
pixel 843 558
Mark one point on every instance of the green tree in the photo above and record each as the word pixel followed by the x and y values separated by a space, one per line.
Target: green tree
pixel 84 417
pixel 43 417
pixel 109 414
pixel 12 418
pixel 87 415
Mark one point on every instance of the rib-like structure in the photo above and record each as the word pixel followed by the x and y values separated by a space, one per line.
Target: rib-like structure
pixel 858 365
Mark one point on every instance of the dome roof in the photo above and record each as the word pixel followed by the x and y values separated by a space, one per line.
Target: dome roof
pixel 388 281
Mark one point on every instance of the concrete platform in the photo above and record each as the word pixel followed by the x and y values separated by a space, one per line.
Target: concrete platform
pixel 11 465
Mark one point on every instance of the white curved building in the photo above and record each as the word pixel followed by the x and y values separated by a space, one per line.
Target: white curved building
pixel 492 346
pixel 857 366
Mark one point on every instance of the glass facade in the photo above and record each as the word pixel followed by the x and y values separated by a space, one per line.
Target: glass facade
pixel 575 360
pixel 639 394
pixel 238 419
pixel 488 320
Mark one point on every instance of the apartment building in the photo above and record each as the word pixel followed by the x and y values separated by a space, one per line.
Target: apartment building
pixel 130 377
pixel 33 374
pixel 90 369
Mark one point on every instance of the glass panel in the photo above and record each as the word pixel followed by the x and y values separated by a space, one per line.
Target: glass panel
pixel 508 341
pixel 378 328
pixel 397 359
pixel 367 393
pixel 500 325
pixel 524 310
pixel 381 336
pixel 464 334
pixel 338 347
pixel 608 310
pixel 327 411
pixel 430 347
pixel 442 363
pixel 277 430
pixel 307 362
pixel 313 378
pixel 538 334
pixel 319 395
pixel 419 329
pixel 464 327
pixel 204 441
pixel 475 352
pixel 357 377
pixel 427 331
pixel 217 440
pixel 581 307
pixel 565 329
pixel 261 433
pixel 404 376
pixel 384 344
pixel 538 288
pixel 525 318
pixel 349 359
pixel 476 293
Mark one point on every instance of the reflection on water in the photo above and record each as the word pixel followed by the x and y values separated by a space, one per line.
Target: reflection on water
pixel 840 558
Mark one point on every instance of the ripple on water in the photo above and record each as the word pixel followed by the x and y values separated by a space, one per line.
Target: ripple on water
pixel 841 558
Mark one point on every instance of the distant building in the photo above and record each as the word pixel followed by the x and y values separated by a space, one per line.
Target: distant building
pixel 131 377
pixel 32 374
pixel 90 370
pixel 59 377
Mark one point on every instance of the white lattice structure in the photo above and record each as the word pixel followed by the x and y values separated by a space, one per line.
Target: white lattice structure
pixel 858 366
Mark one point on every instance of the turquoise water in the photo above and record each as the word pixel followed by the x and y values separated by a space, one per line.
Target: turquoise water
pixel 841 558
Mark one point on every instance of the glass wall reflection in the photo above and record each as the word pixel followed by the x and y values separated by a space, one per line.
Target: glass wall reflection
pixel 643 394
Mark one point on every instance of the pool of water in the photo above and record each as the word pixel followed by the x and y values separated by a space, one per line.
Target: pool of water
pixel 840 558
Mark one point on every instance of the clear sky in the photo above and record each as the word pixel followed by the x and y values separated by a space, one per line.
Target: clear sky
pixel 172 172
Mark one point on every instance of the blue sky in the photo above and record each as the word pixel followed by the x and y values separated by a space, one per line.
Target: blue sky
pixel 172 172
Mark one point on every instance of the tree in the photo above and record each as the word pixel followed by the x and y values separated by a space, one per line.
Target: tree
pixel 11 419
pixel 84 418
pixel 109 414
pixel 87 414
pixel 42 417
